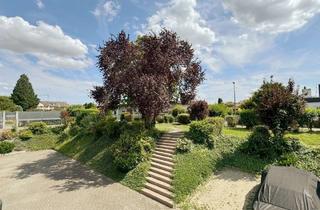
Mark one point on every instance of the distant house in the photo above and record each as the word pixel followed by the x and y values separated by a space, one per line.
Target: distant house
pixel 51 105
pixel 312 102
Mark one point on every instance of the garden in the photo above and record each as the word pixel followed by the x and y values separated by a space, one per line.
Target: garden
pixel 273 127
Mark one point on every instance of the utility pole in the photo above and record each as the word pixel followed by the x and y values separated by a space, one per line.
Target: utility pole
pixel 234 97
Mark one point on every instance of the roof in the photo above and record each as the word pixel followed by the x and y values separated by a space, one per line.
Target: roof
pixel 54 103
pixel 312 99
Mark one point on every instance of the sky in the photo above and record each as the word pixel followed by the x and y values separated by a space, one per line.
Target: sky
pixel 55 42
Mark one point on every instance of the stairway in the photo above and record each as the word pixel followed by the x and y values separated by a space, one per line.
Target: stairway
pixel 159 179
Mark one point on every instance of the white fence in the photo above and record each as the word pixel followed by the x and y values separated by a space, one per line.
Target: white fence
pixel 11 119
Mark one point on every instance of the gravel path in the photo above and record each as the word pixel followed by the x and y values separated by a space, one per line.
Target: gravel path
pixel 48 180
pixel 229 189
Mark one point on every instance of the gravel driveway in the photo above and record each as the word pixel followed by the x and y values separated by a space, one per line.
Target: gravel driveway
pixel 47 180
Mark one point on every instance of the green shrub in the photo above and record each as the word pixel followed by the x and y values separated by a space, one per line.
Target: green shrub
pixel 38 128
pixel 168 118
pixel 25 135
pixel 260 143
pixel 184 145
pixel 232 120
pixel 218 110
pixel 183 118
pixel 248 118
pixel 130 150
pixel 160 119
pixel 6 147
pixel 218 123
pixel 109 127
pixel 58 129
pixel 178 109
pixel 202 132
pixel 80 113
pixel 6 135
pixel 288 159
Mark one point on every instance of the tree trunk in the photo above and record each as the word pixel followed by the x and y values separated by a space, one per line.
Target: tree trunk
pixel 149 122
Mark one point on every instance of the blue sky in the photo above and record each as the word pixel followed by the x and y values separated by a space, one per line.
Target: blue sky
pixel 55 41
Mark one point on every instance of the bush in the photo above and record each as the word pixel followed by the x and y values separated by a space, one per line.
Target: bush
pixel 232 120
pixel 248 118
pixel 127 116
pixel 218 110
pixel 168 118
pixel 178 109
pixel 288 159
pixel 198 110
pixel 160 119
pixel 184 145
pixel 260 142
pixel 38 128
pixel 218 123
pixel 183 119
pixel 6 147
pixel 6 135
pixel 25 135
pixel 202 132
pixel 58 129
pixel 130 150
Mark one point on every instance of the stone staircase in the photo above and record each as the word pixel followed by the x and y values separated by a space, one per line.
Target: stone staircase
pixel 159 179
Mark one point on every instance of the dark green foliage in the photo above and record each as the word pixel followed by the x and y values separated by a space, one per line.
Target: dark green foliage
pixel 184 145
pixel 218 110
pixel 232 120
pixel 183 118
pixel 309 118
pixel 288 159
pixel 218 123
pixel 178 109
pixel 38 128
pixel 168 118
pixel 198 110
pixel 129 150
pixel 25 135
pixel 89 105
pixel 6 147
pixel 6 104
pixel 80 114
pixel 23 94
pixel 160 119
pixel 220 101
pixel 58 129
pixel 248 118
pixel 202 132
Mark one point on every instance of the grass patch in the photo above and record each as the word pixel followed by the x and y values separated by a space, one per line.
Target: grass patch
pixel 37 142
pixel 167 127
pixel 238 132
pixel 96 154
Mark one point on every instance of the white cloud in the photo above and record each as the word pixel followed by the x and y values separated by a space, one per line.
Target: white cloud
pixel 271 15
pixel 108 9
pixel 40 4
pixel 46 42
pixel 182 17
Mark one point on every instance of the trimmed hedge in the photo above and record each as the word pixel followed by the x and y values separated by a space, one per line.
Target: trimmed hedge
pixel 248 118
pixel 178 109
pixel 218 123
pixel 6 147
pixel 202 132
pixel 183 119
pixel 38 128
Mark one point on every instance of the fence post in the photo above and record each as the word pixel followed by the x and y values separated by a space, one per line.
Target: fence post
pixel 3 120
pixel 17 121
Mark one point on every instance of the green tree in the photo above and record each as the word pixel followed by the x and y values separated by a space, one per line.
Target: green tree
pixel 7 104
pixel 23 94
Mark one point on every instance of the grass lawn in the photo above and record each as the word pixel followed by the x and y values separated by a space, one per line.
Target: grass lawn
pixel 37 142
pixel 308 138
pixel 166 127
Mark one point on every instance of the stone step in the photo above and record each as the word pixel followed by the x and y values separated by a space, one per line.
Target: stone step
pixel 163 162
pixel 170 138
pixel 165 154
pixel 165 146
pixel 159 190
pixel 162 172
pixel 163 167
pixel 158 197
pixel 169 159
pixel 159 183
pixel 160 177
pixel 170 151
pixel 167 143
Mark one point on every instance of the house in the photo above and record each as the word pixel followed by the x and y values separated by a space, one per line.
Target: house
pixel 51 105
pixel 311 101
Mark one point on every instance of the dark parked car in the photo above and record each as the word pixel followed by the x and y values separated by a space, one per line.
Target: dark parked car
pixel 288 188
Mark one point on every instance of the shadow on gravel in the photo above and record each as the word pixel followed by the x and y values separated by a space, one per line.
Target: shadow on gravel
pixel 70 174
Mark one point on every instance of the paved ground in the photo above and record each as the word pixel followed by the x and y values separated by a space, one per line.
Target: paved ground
pixel 47 180
pixel 226 190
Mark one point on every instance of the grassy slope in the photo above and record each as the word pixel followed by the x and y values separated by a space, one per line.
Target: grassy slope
pixel 37 142
pixel 96 154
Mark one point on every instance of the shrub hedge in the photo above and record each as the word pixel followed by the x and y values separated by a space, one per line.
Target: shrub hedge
pixel 178 109
pixel 25 135
pixel 6 147
pixel 183 118
pixel 248 118
pixel 38 128
pixel 202 132
pixel 184 145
